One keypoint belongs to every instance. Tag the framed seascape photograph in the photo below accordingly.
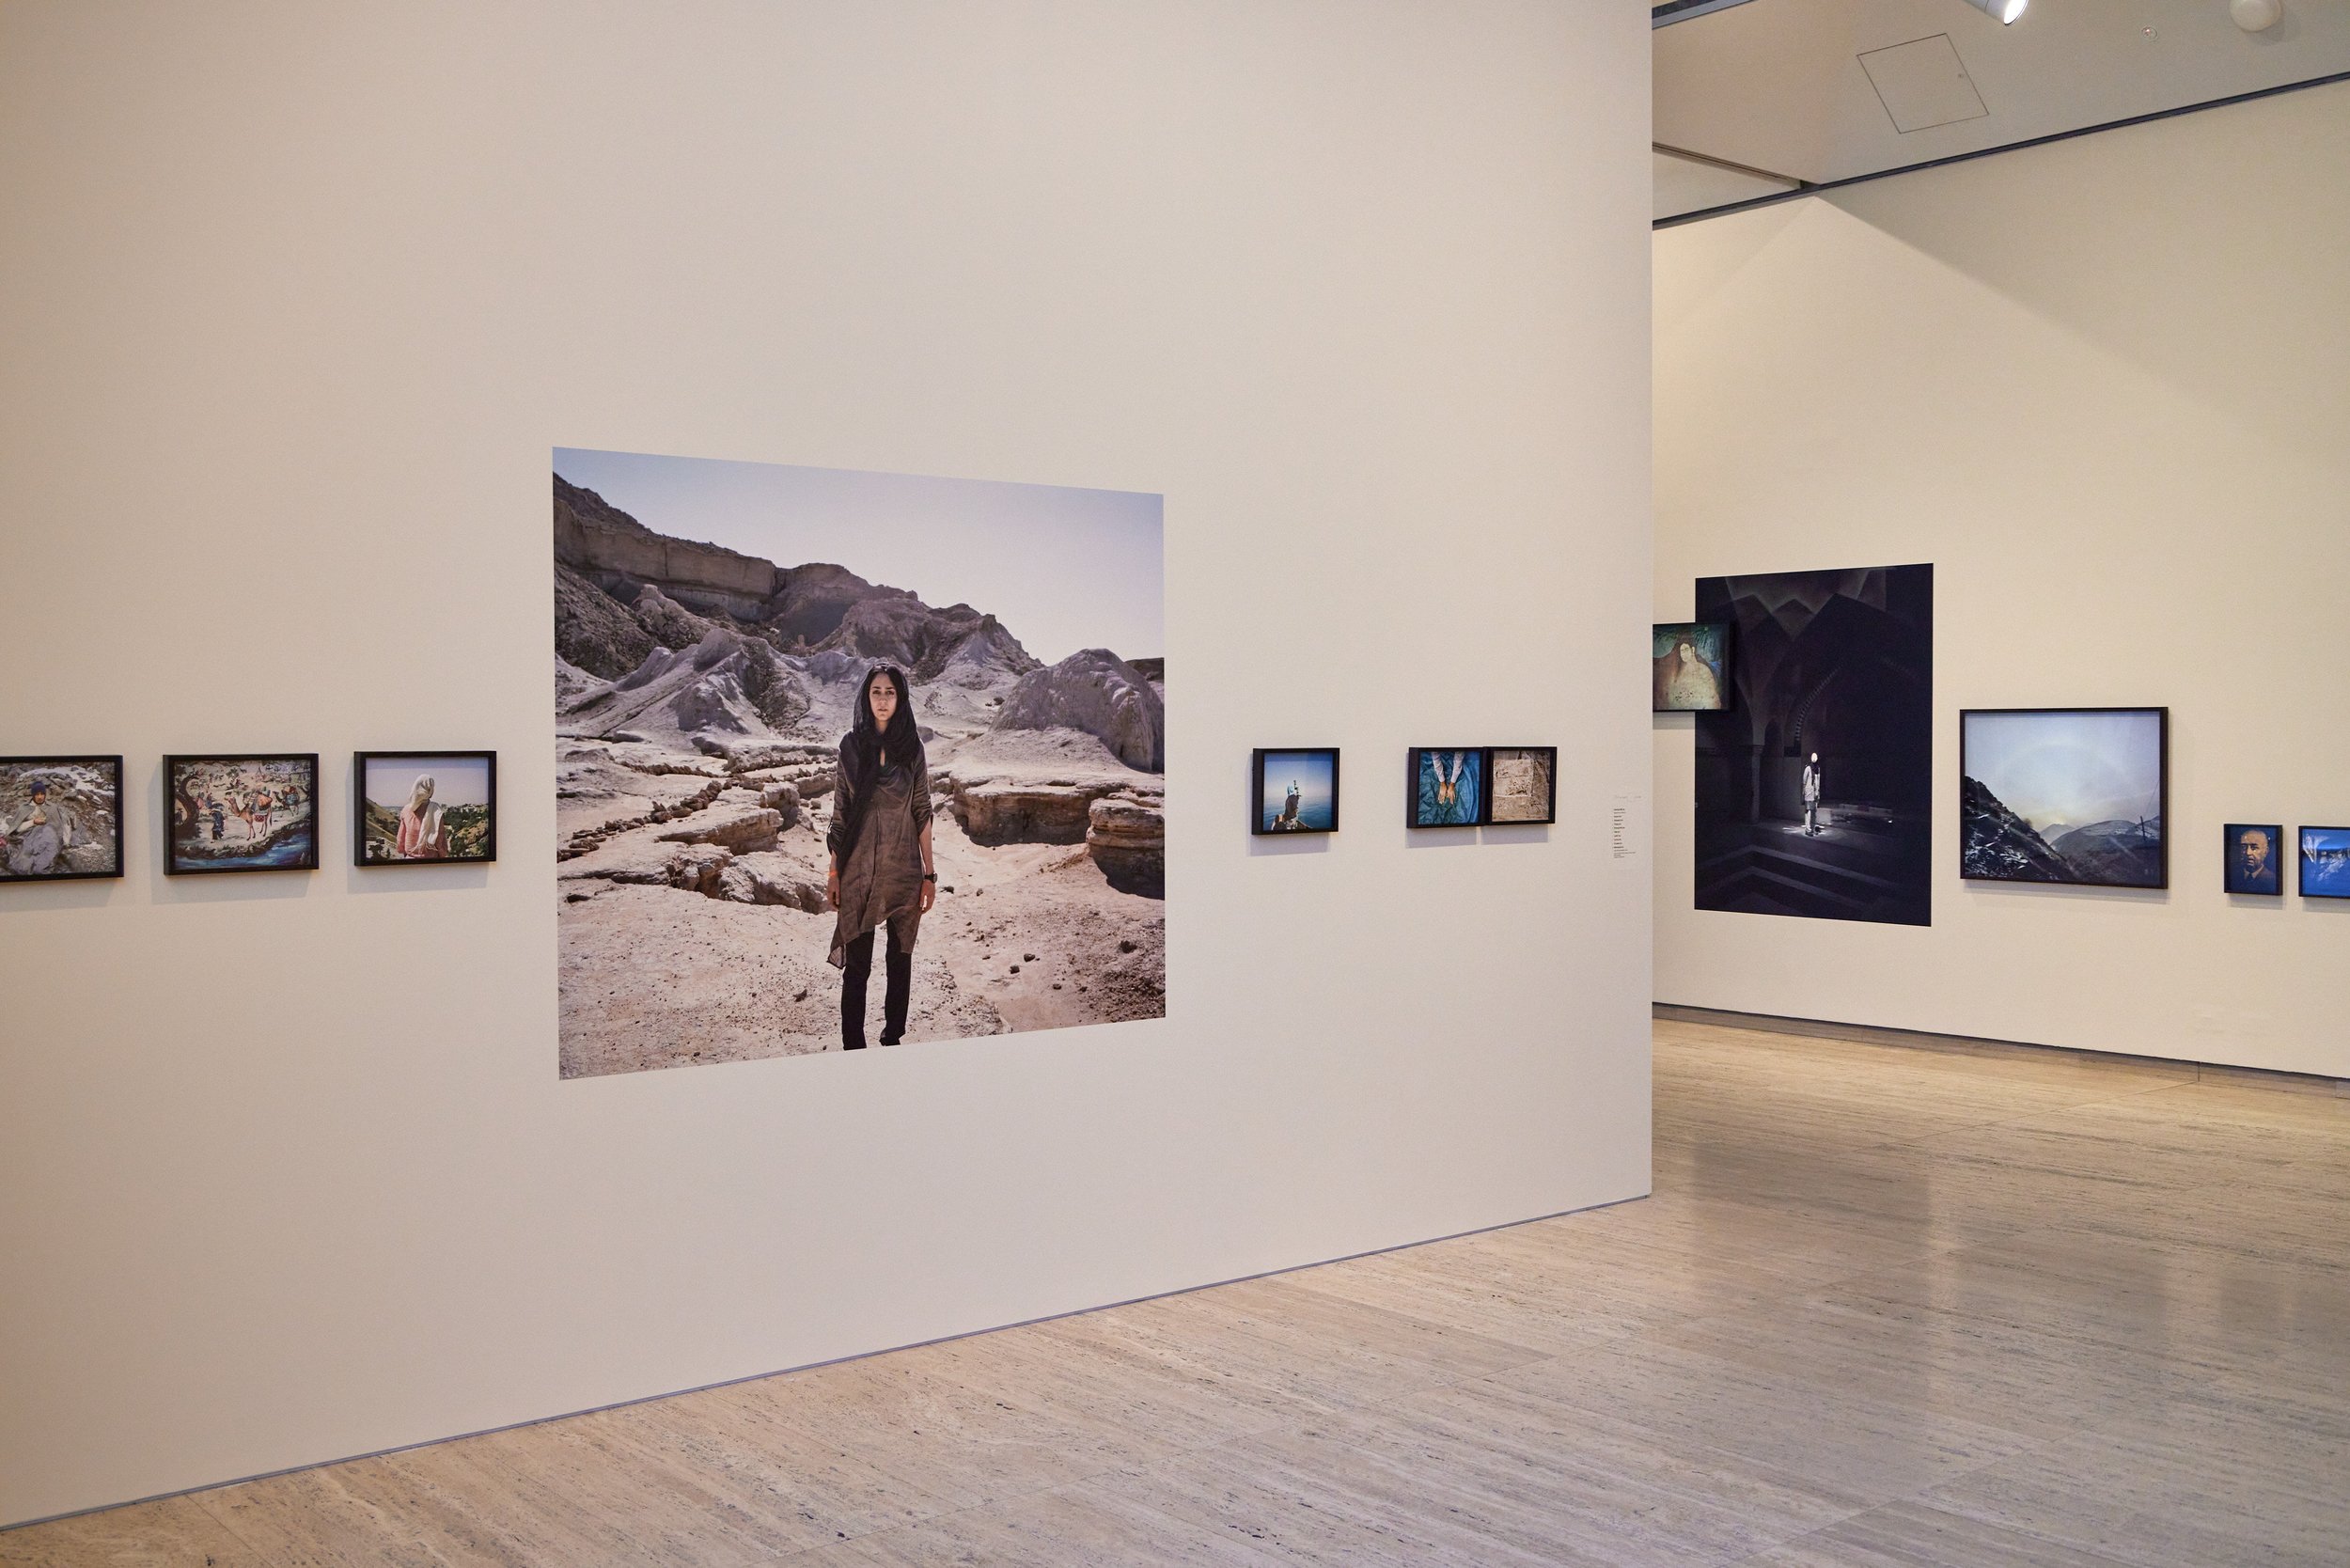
(60, 818)
(245, 813)
(1293, 791)
(1445, 786)
(1524, 783)
(424, 807)
(2325, 863)
(2254, 858)
(2075, 795)
(1689, 667)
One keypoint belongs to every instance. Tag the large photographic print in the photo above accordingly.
(1815, 792)
(849, 760)
(2065, 795)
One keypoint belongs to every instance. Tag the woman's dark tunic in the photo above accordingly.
(880, 874)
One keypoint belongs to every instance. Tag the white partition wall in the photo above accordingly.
(2104, 386)
(299, 300)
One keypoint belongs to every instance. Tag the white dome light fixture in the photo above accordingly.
(2256, 16)
(2002, 11)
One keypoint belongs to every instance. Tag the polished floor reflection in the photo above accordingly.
(1888, 1307)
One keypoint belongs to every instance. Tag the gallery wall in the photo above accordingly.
(301, 298)
(2102, 387)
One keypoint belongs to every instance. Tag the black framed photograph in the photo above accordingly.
(2072, 796)
(1445, 787)
(1523, 784)
(2254, 858)
(424, 807)
(60, 818)
(1689, 667)
(249, 812)
(2325, 862)
(1294, 790)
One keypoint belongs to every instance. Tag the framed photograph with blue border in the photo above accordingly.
(2325, 863)
(1445, 787)
(1293, 791)
(2254, 860)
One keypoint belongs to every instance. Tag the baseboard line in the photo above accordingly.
(1921, 1040)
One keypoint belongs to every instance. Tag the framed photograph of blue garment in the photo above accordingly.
(1293, 791)
(2325, 863)
(2253, 858)
(1445, 787)
(60, 818)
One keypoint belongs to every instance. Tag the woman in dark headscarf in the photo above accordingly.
(882, 871)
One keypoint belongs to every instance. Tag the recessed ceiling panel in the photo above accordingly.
(1923, 84)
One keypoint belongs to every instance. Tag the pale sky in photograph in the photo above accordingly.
(1063, 569)
(456, 780)
(2074, 768)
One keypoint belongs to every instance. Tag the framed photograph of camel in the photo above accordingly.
(424, 807)
(1445, 787)
(1294, 790)
(242, 814)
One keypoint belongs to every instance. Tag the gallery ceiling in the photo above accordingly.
(1758, 97)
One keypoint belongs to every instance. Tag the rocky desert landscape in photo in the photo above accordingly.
(700, 695)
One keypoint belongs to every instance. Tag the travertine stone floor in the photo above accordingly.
(1887, 1307)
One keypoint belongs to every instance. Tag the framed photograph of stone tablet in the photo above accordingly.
(2072, 796)
(1445, 786)
(60, 818)
(1689, 667)
(255, 812)
(424, 807)
(2325, 861)
(2253, 858)
(1523, 784)
(1294, 790)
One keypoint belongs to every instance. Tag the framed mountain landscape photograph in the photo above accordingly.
(2068, 795)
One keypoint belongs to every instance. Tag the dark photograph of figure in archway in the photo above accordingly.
(1815, 790)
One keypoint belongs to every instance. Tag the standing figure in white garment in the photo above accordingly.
(1811, 797)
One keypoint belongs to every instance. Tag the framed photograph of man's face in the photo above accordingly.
(1445, 786)
(1523, 784)
(2254, 858)
(1294, 790)
(60, 818)
(240, 813)
(2325, 863)
(424, 807)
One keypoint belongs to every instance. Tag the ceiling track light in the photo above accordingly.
(2256, 16)
(2000, 11)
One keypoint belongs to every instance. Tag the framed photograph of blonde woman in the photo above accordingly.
(424, 807)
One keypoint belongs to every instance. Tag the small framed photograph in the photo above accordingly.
(1689, 667)
(1293, 791)
(1445, 786)
(1523, 784)
(2255, 858)
(246, 813)
(60, 818)
(2077, 796)
(2326, 863)
(424, 807)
